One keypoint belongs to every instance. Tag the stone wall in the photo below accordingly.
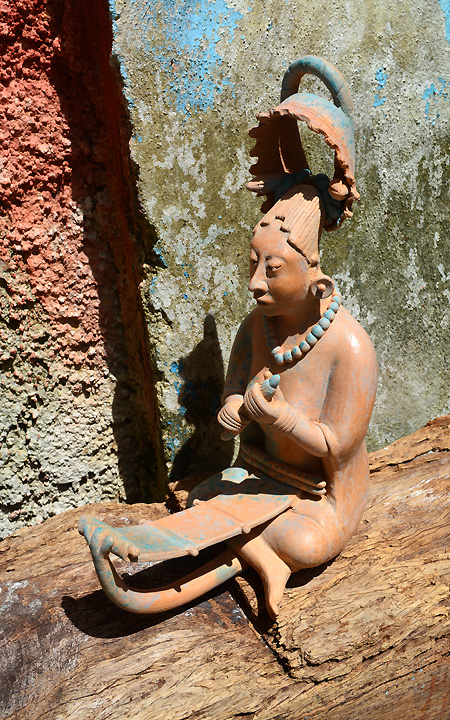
(77, 420)
(122, 281)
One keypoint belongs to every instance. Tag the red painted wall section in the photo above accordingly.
(78, 409)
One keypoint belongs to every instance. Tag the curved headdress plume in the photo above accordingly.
(282, 162)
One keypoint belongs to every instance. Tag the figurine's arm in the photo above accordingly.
(348, 405)
(346, 412)
(233, 416)
(284, 418)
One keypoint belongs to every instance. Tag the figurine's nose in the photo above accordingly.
(258, 283)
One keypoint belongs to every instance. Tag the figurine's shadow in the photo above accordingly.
(202, 382)
(95, 615)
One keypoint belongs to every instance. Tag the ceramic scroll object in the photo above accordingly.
(300, 386)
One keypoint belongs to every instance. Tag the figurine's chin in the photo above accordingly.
(267, 308)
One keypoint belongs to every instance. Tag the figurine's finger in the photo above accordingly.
(269, 386)
(251, 406)
(107, 544)
(229, 413)
(314, 484)
(230, 423)
(120, 551)
(311, 490)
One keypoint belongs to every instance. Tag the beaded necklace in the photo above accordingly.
(312, 336)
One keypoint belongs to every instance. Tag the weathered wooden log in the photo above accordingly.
(366, 636)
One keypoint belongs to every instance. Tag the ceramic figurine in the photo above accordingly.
(300, 386)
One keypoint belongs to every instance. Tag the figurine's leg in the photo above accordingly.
(272, 569)
(303, 542)
(288, 543)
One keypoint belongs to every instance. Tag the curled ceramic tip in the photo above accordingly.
(269, 386)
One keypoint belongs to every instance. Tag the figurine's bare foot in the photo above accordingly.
(274, 572)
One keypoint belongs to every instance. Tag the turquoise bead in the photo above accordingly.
(334, 306)
(279, 358)
(296, 352)
(337, 299)
(324, 323)
(287, 356)
(329, 315)
(317, 331)
(276, 351)
(304, 347)
(310, 339)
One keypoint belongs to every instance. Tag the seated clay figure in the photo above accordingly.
(300, 387)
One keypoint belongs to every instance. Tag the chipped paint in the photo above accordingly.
(187, 49)
(381, 78)
(445, 5)
(432, 96)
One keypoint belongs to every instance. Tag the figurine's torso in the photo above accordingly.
(333, 385)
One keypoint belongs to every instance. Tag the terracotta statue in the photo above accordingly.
(300, 386)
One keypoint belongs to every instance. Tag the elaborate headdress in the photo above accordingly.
(282, 162)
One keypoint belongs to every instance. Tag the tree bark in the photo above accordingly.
(366, 636)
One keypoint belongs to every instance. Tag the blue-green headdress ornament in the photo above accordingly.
(282, 162)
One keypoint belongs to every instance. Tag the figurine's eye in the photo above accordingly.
(273, 268)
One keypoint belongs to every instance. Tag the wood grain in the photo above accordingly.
(367, 636)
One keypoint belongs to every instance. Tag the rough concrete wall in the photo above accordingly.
(195, 75)
(76, 407)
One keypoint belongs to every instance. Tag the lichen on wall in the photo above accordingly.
(195, 75)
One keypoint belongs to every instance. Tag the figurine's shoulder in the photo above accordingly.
(352, 340)
(251, 322)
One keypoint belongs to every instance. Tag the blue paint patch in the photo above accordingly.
(432, 96)
(188, 54)
(160, 256)
(381, 78)
(176, 367)
(115, 16)
(445, 5)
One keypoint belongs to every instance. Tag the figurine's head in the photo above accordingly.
(284, 254)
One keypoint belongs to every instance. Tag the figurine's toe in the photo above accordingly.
(86, 526)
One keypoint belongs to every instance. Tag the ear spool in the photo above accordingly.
(322, 287)
(281, 161)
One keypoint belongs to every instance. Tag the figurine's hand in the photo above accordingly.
(233, 417)
(265, 403)
(106, 539)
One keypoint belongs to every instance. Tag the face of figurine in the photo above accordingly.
(279, 275)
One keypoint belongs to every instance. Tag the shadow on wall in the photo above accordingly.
(203, 377)
(116, 239)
